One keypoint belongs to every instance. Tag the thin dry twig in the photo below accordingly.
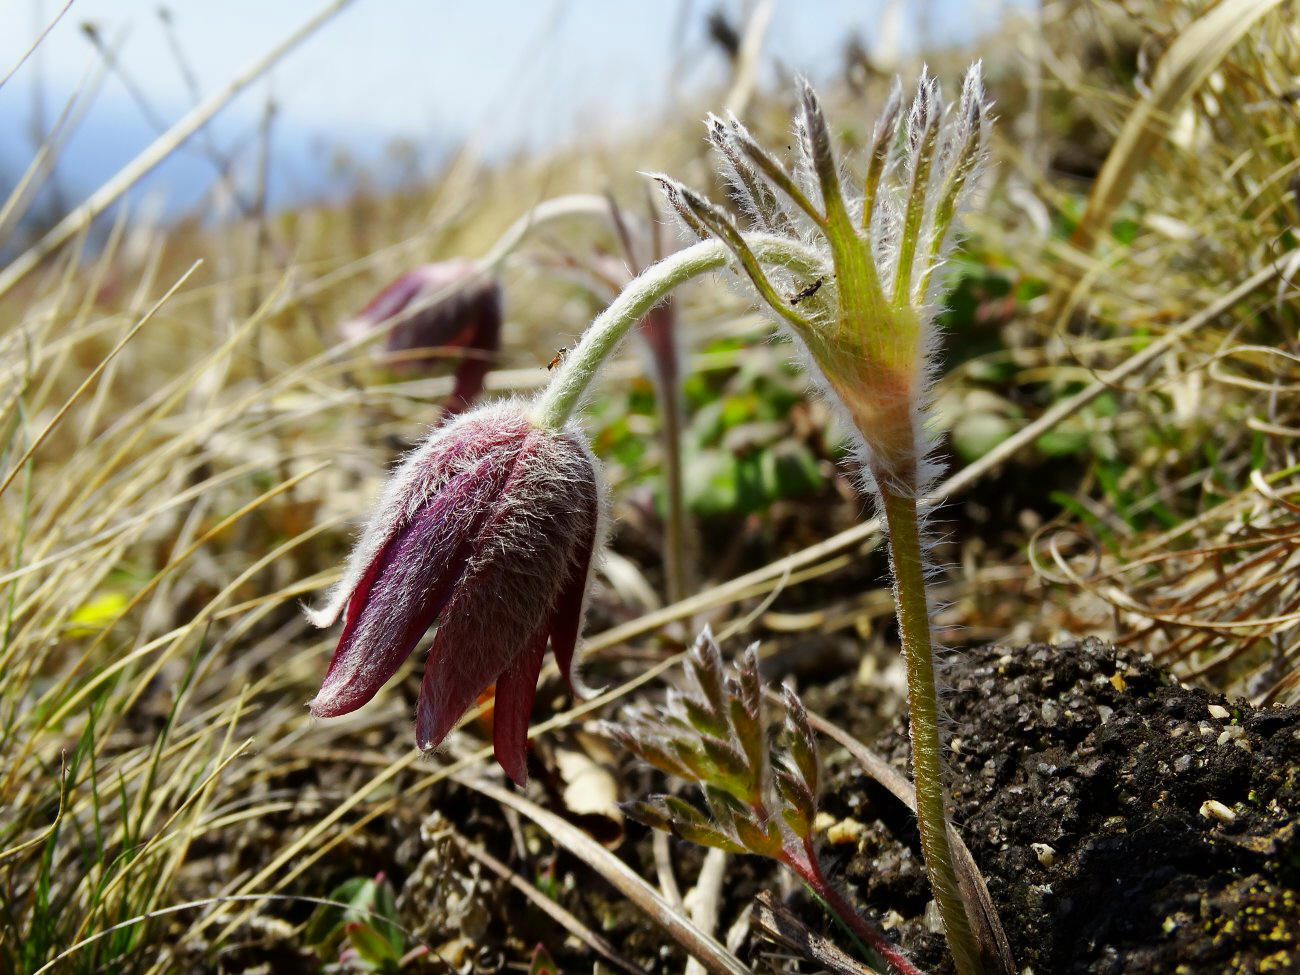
(699, 945)
(552, 908)
(778, 924)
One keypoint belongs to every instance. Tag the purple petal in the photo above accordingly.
(468, 654)
(506, 596)
(516, 688)
(405, 588)
(394, 296)
(459, 307)
(566, 619)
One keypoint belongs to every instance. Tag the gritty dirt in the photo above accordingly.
(1123, 821)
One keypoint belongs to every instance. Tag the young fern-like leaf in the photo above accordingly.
(799, 808)
(708, 836)
(704, 719)
(803, 745)
(750, 735)
(650, 813)
(761, 838)
(746, 809)
(706, 667)
(731, 771)
(751, 686)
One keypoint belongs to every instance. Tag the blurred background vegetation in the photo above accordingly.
(186, 443)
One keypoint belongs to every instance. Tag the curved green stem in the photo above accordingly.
(923, 704)
(554, 407)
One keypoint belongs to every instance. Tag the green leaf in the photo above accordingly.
(385, 910)
(371, 947)
(1062, 442)
(325, 925)
(648, 812)
(975, 434)
(707, 836)
(764, 839)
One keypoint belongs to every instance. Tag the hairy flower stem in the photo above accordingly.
(676, 566)
(581, 365)
(923, 705)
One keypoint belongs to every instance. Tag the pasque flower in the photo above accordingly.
(448, 304)
(853, 274)
(863, 304)
(487, 529)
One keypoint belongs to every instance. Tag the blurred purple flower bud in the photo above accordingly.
(451, 304)
(488, 528)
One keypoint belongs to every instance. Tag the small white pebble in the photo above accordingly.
(1207, 731)
(844, 832)
(823, 821)
(1214, 809)
(933, 919)
(1229, 733)
(1050, 712)
(1046, 855)
(1104, 713)
(1219, 712)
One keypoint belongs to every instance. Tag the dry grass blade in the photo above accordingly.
(713, 956)
(747, 58)
(1190, 59)
(552, 908)
(779, 925)
(93, 375)
(36, 43)
(82, 216)
(1183, 69)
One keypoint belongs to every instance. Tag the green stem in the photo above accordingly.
(555, 405)
(676, 527)
(923, 703)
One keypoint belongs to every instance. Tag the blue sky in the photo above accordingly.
(512, 74)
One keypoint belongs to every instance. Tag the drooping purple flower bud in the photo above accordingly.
(450, 304)
(488, 530)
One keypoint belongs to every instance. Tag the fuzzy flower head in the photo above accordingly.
(451, 304)
(487, 529)
(863, 302)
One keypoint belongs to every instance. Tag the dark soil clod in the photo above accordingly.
(1124, 822)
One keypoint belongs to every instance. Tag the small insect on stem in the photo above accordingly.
(557, 358)
(807, 292)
